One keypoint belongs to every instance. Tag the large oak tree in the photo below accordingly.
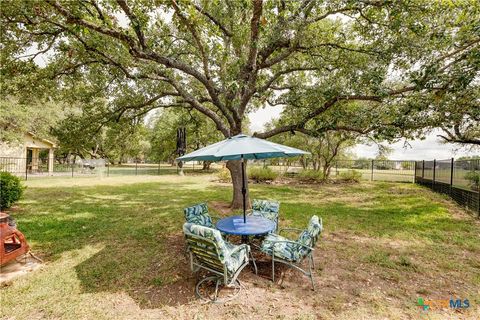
(226, 58)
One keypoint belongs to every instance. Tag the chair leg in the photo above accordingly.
(273, 268)
(216, 290)
(254, 264)
(214, 295)
(311, 272)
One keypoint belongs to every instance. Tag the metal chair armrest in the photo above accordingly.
(240, 247)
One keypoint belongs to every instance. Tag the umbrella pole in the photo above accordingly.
(244, 191)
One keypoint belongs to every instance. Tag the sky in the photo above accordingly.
(428, 149)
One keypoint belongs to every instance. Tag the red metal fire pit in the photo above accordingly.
(12, 242)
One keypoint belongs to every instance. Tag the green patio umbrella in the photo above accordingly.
(242, 147)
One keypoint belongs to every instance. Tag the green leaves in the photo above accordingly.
(371, 66)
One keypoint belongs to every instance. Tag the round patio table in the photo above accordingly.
(254, 226)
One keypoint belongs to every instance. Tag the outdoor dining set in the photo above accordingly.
(207, 242)
(209, 249)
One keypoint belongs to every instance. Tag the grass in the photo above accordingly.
(114, 249)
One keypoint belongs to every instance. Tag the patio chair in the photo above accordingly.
(293, 253)
(266, 208)
(198, 214)
(210, 252)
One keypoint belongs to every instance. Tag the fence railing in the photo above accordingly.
(27, 168)
(458, 179)
(43, 166)
(372, 170)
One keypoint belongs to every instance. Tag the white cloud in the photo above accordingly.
(261, 116)
(428, 149)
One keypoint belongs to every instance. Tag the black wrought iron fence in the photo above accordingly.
(372, 170)
(458, 179)
(141, 167)
(379, 170)
(43, 167)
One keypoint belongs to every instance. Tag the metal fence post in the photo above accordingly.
(371, 176)
(136, 166)
(415, 172)
(451, 176)
(478, 204)
(433, 180)
(423, 169)
(108, 169)
(73, 164)
(26, 170)
(158, 170)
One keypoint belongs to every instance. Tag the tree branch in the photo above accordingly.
(225, 31)
(134, 21)
(299, 126)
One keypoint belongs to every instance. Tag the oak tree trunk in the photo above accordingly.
(206, 165)
(326, 170)
(235, 168)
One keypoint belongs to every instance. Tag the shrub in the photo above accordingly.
(350, 176)
(224, 175)
(11, 190)
(309, 175)
(260, 174)
(474, 179)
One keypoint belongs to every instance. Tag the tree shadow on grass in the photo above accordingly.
(152, 275)
(139, 227)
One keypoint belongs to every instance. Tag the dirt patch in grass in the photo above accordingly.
(220, 207)
(170, 286)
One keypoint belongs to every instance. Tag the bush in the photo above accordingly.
(308, 175)
(11, 190)
(474, 179)
(224, 175)
(260, 174)
(350, 176)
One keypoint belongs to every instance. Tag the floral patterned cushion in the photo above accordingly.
(267, 209)
(223, 249)
(284, 250)
(291, 251)
(310, 235)
(198, 214)
(235, 259)
(265, 205)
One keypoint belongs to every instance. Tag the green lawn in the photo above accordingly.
(113, 249)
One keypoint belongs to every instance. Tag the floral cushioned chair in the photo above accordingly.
(209, 251)
(266, 208)
(198, 214)
(291, 252)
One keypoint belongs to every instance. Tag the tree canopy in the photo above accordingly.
(226, 58)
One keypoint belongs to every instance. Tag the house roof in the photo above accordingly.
(45, 141)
